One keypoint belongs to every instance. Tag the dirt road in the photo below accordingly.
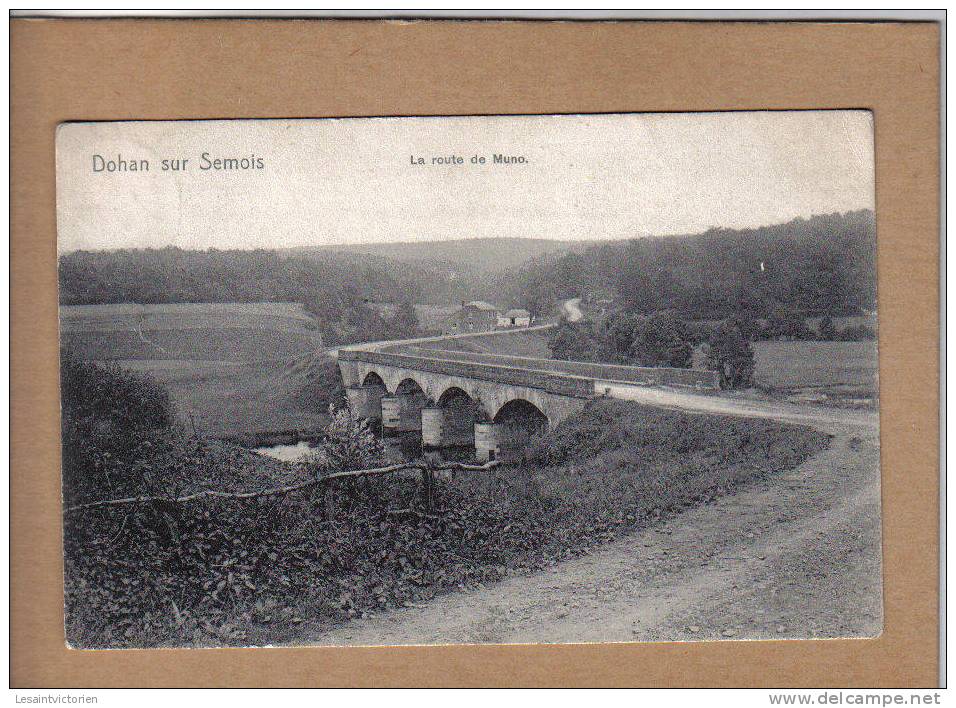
(795, 556)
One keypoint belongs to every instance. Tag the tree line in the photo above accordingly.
(658, 340)
(665, 339)
(335, 288)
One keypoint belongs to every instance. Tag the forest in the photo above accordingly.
(824, 265)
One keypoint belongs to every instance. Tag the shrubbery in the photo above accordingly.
(574, 341)
(730, 354)
(661, 339)
(252, 571)
(111, 422)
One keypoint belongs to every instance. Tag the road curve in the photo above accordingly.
(791, 557)
(569, 309)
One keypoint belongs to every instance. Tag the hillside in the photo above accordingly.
(333, 290)
(824, 265)
(232, 369)
(466, 256)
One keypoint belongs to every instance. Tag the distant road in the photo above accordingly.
(572, 309)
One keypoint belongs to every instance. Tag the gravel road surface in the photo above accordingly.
(795, 556)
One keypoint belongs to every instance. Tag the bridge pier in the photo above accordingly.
(447, 427)
(365, 401)
(390, 415)
(402, 414)
(488, 441)
(433, 423)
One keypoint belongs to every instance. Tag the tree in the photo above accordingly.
(574, 341)
(405, 320)
(787, 323)
(662, 339)
(732, 356)
(828, 330)
(747, 324)
(619, 331)
(349, 444)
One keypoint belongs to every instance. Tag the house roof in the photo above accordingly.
(481, 305)
(517, 312)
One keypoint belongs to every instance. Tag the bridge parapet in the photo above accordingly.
(644, 375)
(560, 384)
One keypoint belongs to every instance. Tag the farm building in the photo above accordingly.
(515, 318)
(474, 316)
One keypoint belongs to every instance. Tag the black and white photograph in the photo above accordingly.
(469, 380)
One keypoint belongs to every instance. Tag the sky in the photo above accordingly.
(358, 180)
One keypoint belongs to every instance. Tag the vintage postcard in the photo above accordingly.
(490, 379)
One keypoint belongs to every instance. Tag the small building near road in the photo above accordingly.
(474, 316)
(515, 318)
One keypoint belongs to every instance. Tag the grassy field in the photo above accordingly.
(232, 369)
(852, 366)
(516, 343)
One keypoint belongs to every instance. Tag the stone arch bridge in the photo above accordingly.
(490, 401)
(455, 403)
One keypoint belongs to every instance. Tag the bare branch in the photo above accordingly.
(209, 493)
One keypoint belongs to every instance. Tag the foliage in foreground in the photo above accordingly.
(278, 569)
(110, 421)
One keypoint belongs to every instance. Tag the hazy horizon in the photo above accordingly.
(354, 182)
(345, 246)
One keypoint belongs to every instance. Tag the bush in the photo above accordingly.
(827, 330)
(348, 444)
(228, 571)
(661, 340)
(732, 356)
(111, 420)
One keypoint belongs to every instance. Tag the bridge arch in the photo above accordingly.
(402, 409)
(410, 386)
(451, 394)
(373, 379)
(517, 423)
(460, 412)
(521, 411)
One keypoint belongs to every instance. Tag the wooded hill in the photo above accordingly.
(824, 265)
(485, 255)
